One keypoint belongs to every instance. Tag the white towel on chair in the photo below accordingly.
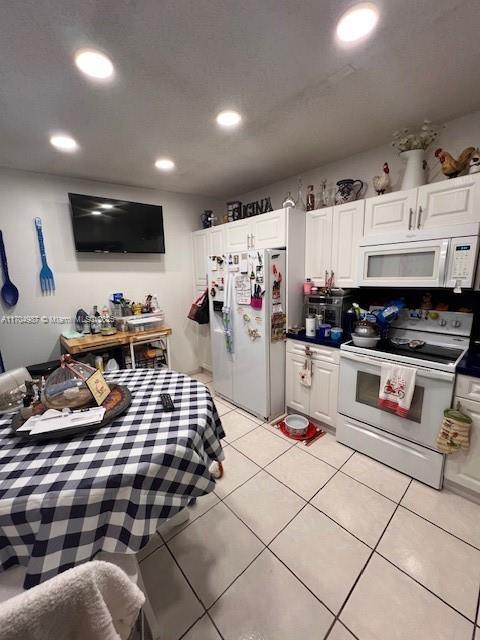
(397, 385)
(94, 601)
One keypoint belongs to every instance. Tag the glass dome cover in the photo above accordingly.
(66, 387)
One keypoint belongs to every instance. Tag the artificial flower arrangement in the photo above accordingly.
(403, 140)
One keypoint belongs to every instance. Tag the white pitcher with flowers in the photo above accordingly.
(412, 147)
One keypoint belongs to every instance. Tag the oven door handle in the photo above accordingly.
(431, 374)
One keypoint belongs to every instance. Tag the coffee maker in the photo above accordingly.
(331, 307)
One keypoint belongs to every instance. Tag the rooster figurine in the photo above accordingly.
(451, 167)
(381, 183)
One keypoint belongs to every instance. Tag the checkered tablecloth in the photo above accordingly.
(62, 502)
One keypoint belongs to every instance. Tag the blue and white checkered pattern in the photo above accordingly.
(61, 502)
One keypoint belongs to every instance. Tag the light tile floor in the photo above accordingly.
(316, 542)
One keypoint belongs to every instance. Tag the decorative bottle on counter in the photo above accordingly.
(307, 286)
(310, 198)
(95, 322)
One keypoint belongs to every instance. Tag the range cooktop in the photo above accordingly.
(430, 352)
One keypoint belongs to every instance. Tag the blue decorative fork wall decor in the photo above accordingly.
(47, 282)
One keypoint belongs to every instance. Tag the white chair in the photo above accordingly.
(11, 584)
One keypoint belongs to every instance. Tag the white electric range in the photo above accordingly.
(404, 443)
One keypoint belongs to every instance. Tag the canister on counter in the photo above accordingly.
(324, 330)
(336, 334)
(310, 326)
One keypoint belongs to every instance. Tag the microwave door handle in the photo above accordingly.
(442, 267)
(410, 216)
(419, 221)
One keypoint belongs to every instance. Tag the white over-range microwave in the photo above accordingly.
(441, 258)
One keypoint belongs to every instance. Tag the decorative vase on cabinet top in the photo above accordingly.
(415, 172)
(348, 190)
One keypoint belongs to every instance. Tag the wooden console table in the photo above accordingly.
(119, 339)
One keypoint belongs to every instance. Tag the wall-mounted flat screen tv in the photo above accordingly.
(105, 225)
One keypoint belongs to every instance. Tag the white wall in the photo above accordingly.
(83, 280)
(458, 134)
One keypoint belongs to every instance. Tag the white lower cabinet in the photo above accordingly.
(297, 396)
(324, 392)
(463, 467)
(320, 400)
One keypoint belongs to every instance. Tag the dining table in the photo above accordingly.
(63, 501)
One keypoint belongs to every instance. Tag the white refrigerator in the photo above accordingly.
(248, 325)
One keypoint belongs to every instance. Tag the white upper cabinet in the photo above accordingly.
(332, 236)
(216, 240)
(269, 230)
(435, 205)
(266, 231)
(347, 232)
(455, 201)
(391, 212)
(318, 246)
(200, 256)
(238, 235)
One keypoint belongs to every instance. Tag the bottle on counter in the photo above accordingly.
(310, 198)
(310, 324)
(95, 322)
(307, 286)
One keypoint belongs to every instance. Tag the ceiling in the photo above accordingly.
(305, 100)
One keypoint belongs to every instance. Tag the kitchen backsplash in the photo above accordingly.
(442, 299)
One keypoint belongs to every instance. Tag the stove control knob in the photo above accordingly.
(442, 322)
(456, 323)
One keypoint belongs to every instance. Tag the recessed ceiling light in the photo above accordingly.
(229, 119)
(357, 22)
(64, 143)
(107, 206)
(96, 213)
(165, 164)
(94, 64)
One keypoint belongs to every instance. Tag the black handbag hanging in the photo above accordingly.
(199, 311)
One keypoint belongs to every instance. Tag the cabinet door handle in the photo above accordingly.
(248, 241)
(419, 222)
(410, 219)
(253, 241)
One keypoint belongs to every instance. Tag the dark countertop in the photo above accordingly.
(469, 365)
(326, 342)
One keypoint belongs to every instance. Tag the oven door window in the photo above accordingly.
(368, 388)
(419, 264)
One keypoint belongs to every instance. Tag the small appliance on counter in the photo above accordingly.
(143, 322)
(331, 307)
(146, 322)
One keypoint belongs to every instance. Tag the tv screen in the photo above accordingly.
(116, 226)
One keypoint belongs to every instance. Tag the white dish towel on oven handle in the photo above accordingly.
(397, 385)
